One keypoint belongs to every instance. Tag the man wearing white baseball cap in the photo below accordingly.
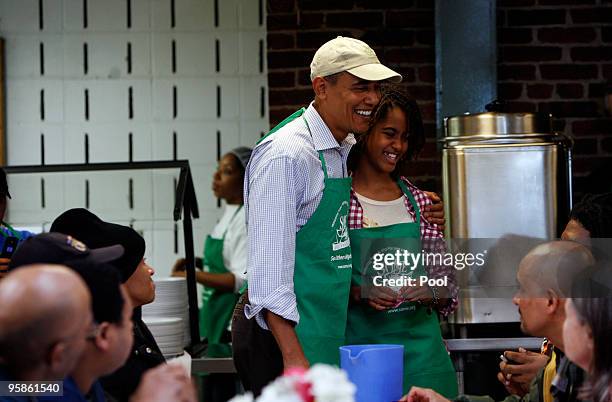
(354, 57)
(297, 202)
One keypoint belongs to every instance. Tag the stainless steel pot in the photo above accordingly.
(503, 173)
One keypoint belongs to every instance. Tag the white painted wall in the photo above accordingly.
(46, 69)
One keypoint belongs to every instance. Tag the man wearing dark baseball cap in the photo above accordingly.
(136, 275)
(110, 337)
(58, 248)
(297, 193)
(9, 237)
(110, 340)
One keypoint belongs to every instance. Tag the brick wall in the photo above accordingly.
(401, 33)
(554, 56)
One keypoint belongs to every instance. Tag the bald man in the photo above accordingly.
(110, 338)
(45, 317)
(547, 268)
(544, 276)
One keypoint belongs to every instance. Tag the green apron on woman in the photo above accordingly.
(217, 305)
(426, 361)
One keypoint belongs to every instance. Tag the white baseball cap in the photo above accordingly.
(353, 56)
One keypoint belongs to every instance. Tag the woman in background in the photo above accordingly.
(224, 268)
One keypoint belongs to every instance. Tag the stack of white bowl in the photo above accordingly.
(170, 302)
(168, 333)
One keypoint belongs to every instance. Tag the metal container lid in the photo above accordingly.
(493, 124)
(493, 128)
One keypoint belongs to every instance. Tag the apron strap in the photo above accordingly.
(9, 229)
(295, 115)
(415, 206)
(321, 157)
(280, 125)
(230, 221)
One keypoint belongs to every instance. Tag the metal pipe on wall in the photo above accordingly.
(466, 57)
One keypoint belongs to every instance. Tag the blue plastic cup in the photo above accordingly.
(376, 370)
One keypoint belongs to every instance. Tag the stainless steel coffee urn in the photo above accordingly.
(505, 173)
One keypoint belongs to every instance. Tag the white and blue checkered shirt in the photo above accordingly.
(283, 186)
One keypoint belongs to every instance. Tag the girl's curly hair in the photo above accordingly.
(393, 96)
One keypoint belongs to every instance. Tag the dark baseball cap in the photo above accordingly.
(58, 248)
(4, 184)
(95, 232)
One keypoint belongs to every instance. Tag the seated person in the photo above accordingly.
(587, 330)
(140, 289)
(42, 341)
(544, 278)
(110, 337)
(109, 340)
(7, 233)
(591, 218)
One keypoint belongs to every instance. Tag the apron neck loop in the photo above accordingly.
(321, 157)
(415, 206)
(9, 229)
(231, 220)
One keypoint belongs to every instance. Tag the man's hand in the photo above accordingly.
(512, 387)
(166, 382)
(435, 213)
(523, 368)
(297, 360)
(417, 394)
(284, 333)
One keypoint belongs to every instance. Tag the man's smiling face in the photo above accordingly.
(349, 102)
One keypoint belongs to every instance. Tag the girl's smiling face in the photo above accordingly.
(387, 142)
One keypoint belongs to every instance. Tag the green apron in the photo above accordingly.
(217, 305)
(426, 361)
(322, 270)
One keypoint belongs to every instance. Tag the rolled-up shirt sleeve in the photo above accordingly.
(271, 217)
